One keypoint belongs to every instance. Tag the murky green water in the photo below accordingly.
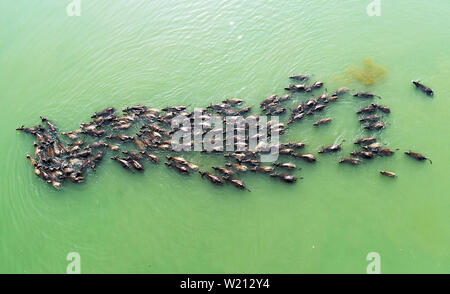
(121, 53)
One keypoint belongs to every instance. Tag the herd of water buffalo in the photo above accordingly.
(56, 159)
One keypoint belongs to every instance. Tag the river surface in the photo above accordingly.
(121, 53)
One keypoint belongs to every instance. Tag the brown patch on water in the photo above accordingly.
(368, 74)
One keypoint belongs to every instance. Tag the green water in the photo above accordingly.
(121, 53)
